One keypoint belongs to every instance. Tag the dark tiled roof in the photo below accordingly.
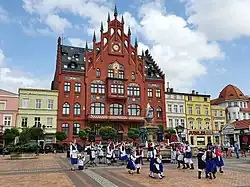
(242, 124)
(73, 58)
(152, 70)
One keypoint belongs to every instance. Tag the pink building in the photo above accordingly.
(8, 111)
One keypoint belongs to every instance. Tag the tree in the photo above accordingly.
(25, 136)
(169, 132)
(83, 134)
(107, 132)
(36, 133)
(134, 133)
(161, 128)
(9, 135)
(60, 136)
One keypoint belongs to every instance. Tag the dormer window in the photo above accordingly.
(69, 58)
(133, 76)
(65, 54)
(73, 66)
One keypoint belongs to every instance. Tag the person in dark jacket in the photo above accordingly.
(211, 168)
(201, 163)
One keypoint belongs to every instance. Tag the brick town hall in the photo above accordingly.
(110, 84)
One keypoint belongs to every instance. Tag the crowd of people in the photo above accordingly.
(210, 160)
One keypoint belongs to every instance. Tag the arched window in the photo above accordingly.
(77, 109)
(98, 72)
(133, 76)
(65, 128)
(66, 108)
(116, 109)
(76, 128)
(97, 108)
(134, 110)
(159, 113)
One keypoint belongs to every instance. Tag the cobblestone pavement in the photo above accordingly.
(53, 170)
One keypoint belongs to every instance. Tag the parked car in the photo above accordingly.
(53, 148)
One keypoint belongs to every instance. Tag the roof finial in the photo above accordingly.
(122, 20)
(94, 37)
(129, 31)
(136, 44)
(115, 12)
(108, 17)
(142, 53)
(101, 27)
(86, 45)
(59, 40)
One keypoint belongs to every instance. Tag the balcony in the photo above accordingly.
(116, 118)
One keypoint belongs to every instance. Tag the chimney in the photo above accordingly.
(171, 90)
(197, 93)
(193, 91)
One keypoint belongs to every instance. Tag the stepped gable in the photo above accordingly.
(230, 92)
(152, 70)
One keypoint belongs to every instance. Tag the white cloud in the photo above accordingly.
(177, 49)
(220, 19)
(57, 24)
(11, 79)
(4, 15)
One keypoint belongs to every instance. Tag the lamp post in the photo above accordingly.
(179, 130)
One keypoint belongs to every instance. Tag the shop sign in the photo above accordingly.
(197, 133)
(228, 131)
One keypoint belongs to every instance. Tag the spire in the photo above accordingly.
(142, 53)
(136, 44)
(129, 31)
(122, 20)
(108, 17)
(115, 12)
(101, 27)
(59, 40)
(94, 37)
(86, 45)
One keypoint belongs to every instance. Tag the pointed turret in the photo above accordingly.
(59, 40)
(129, 31)
(86, 45)
(136, 44)
(101, 30)
(115, 12)
(94, 37)
(108, 20)
(122, 20)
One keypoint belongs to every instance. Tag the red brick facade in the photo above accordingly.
(115, 84)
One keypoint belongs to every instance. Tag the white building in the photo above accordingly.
(175, 111)
(236, 103)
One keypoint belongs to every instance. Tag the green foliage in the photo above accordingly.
(30, 147)
(36, 133)
(25, 136)
(161, 128)
(134, 133)
(60, 136)
(169, 132)
(83, 134)
(9, 135)
(107, 132)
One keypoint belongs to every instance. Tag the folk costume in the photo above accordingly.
(123, 156)
(92, 154)
(188, 157)
(138, 160)
(73, 155)
(209, 158)
(131, 163)
(219, 159)
(158, 167)
(201, 163)
(81, 160)
(173, 155)
(109, 154)
(152, 162)
(180, 156)
(100, 153)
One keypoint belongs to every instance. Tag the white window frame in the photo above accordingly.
(176, 108)
(25, 101)
(7, 116)
(22, 118)
(38, 103)
(50, 104)
(4, 103)
(49, 125)
(181, 107)
(78, 87)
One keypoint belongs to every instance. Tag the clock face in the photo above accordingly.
(116, 47)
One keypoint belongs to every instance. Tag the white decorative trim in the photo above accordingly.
(11, 118)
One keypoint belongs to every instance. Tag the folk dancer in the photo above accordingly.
(139, 157)
(131, 163)
(180, 156)
(123, 156)
(113, 158)
(173, 155)
(81, 160)
(150, 150)
(152, 162)
(158, 167)
(92, 154)
(100, 153)
(201, 163)
(109, 154)
(219, 159)
(188, 157)
(209, 158)
(73, 155)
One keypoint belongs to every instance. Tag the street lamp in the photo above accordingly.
(179, 130)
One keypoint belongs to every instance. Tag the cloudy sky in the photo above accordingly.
(199, 44)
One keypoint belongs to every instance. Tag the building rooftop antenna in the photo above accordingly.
(63, 37)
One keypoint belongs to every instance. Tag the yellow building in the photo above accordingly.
(198, 116)
(38, 108)
(218, 121)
